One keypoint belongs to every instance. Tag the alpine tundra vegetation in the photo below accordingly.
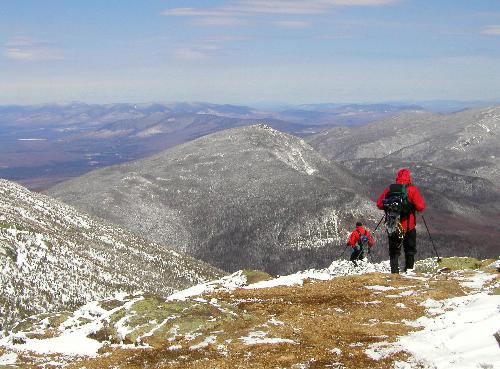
(443, 316)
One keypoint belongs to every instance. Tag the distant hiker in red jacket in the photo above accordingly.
(359, 239)
(400, 201)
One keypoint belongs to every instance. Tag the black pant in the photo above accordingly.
(357, 255)
(409, 246)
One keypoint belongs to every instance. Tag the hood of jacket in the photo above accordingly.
(403, 177)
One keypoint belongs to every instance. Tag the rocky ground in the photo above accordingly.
(339, 317)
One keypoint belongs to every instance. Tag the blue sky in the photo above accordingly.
(248, 51)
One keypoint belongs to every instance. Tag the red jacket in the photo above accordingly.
(358, 232)
(414, 198)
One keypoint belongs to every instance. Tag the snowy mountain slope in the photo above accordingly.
(339, 317)
(250, 197)
(53, 257)
(454, 159)
(466, 142)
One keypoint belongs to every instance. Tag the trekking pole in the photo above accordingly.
(363, 251)
(343, 252)
(380, 221)
(373, 234)
(432, 241)
(369, 252)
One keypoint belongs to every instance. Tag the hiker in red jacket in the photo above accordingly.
(359, 237)
(405, 234)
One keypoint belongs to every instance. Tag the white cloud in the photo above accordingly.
(224, 15)
(491, 30)
(207, 47)
(189, 53)
(226, 38)
(282, 7)
(27, 50)
(193, 12)
(291, 24)
(225, 21)
(197, 52)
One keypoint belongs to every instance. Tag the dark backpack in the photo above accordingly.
(363, 240)
(396, 206)
(396, 200)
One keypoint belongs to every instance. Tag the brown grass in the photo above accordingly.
(318, 316)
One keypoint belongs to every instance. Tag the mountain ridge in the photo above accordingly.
(454, 160)
(258, 192)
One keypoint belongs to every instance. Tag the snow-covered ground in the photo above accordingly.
(457, 333)
(460, 334)
(338, 268)
(74, 340)
(460, 338)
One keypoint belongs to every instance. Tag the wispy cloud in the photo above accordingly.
(208, 47)
(491, 30)
(300, 6)
(226, 21)
(227, 38)
(236, 11)
(194, 53)
(27, 50)
(291, 24)
(194, 12)
(189, 53)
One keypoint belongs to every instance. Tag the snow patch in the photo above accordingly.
(8, 359)
(290, 280)
(335, 351)
(478, 280)
(461, 338)
(207, 341)
(380, 288)
(71, 343)
(238, 279)
(259, 338)
(226, 283)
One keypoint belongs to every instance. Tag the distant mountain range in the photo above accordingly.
(44, 145)
(455, 159)
(249, 197)
(53, 257)
(246, 197)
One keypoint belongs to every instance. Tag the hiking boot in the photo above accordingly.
(409, 261)
(410, 272)
(394, 265)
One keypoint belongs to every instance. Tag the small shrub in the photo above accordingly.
(254, 276)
